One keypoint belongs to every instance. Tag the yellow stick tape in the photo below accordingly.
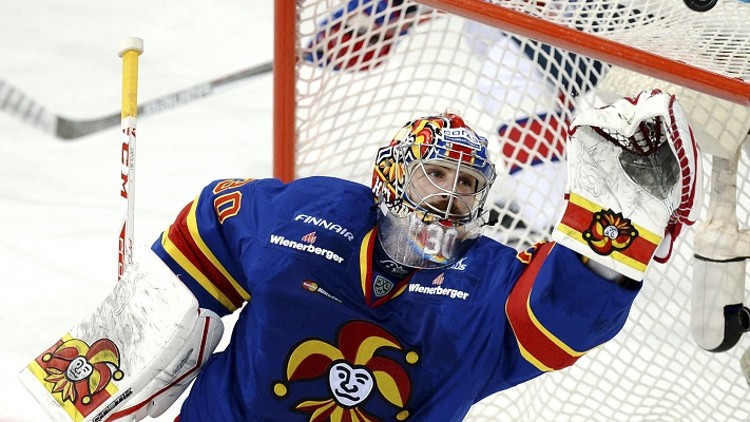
(130, 83)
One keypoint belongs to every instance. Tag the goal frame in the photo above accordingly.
(625, 56)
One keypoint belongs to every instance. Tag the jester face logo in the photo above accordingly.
(77, 371)
(350, 385)
(351, 373)
(609, 232)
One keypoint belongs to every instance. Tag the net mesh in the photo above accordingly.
(366, 67)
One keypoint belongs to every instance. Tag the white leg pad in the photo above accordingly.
(175, 378)
(118, 349)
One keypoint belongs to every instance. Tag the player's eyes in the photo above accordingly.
(435, 174)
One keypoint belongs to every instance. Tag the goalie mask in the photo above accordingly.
(430, 184)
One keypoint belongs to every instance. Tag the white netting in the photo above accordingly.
(356, 85)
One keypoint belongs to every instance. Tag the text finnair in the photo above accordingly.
(328, 225)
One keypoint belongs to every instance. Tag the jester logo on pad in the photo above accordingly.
(76, 372)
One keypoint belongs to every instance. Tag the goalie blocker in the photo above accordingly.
(633, 173)
(132, 356)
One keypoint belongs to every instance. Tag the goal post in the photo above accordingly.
(284, 91)
(349, 73)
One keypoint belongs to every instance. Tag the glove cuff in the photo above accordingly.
(606, 237)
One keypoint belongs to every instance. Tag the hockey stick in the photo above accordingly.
(130, 49)
(18, 104)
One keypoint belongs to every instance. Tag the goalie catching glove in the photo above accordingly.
(633, 173)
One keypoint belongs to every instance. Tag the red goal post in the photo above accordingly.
(336, 101)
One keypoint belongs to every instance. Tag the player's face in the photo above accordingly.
(433, 183)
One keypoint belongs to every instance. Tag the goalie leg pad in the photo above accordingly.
(119, 348)
(154, 399)
(717, 317)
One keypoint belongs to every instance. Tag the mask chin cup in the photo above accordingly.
(409, 240)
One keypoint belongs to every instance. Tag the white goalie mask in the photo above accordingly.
(430, 184)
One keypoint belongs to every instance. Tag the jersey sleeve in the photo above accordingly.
(557, 311)
(202, 245)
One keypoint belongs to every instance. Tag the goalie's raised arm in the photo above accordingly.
(633, 174)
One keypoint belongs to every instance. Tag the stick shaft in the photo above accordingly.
(127, 154)
(20, 105)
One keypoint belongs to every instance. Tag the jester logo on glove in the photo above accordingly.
(609, 232)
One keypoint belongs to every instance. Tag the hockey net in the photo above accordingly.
(364, 68)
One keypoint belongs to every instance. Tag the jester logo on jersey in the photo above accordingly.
(609, 232)
(78, 373)
(351, 373)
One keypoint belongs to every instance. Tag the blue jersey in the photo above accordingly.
(323, 335)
